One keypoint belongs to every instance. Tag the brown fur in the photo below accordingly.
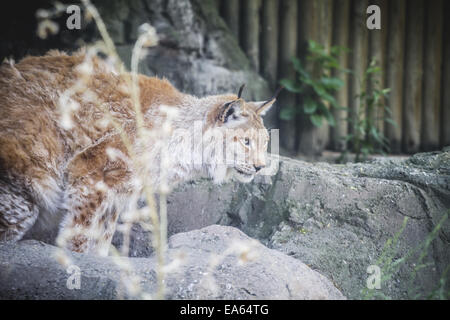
(45, 167)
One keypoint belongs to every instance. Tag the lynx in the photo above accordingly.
(59, 172)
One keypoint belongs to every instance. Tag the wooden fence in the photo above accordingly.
(413, 48)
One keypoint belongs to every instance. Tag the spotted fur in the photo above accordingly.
(51, 173)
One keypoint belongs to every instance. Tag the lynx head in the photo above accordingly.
(236, 140)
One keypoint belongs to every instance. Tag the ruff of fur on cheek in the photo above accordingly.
(213, 155)
(183, 153)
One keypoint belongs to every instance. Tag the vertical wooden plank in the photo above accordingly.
(250, 31)
(432, 76)
(230, 13)
(269, 41)
(445, 114)
(324, 37)
(377, 52)
(359, 46)
(412, 98)
(218, 4)
(394, 74)
(288, 49)
(316, 24)
(341, 24)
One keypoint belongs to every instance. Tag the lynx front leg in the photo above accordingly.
(90, 221)
(94, 183)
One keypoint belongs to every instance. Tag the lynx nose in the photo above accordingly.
(257, 168)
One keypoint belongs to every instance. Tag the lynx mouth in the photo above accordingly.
(243, 176)
(243, 173)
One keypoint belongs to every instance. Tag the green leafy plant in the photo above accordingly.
(316, 84)
(390, 265)
(366, 137)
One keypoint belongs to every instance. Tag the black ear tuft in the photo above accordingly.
(240, 91)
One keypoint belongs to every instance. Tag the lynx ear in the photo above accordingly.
(231, 111)
(263, 106)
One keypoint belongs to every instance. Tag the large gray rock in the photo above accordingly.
(338, 220)
(335, 218)
(215, 262)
